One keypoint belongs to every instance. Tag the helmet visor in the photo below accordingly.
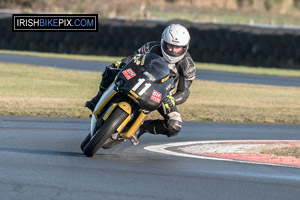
(174, 50)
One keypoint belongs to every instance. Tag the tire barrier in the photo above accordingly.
(210, 43)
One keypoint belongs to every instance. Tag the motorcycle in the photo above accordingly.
(138, 89)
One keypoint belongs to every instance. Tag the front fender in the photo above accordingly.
(126, 107)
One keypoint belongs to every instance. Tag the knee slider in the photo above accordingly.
(174, 127)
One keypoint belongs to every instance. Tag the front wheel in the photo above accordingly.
(105, 131)
(85, 141)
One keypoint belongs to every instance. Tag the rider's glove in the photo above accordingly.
(169, 102)
(119, 65)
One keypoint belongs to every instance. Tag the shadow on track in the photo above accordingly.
(41, 152)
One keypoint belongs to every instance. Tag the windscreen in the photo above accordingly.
(155, 66)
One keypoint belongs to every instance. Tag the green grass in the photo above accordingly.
(203, 66)
(42, 91)
(224, 16)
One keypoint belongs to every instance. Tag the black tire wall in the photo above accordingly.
(210, 43)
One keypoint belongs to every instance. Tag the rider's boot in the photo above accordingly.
(93, 102)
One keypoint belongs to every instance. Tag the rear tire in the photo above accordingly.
(108, 127)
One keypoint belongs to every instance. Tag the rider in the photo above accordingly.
(173, 48)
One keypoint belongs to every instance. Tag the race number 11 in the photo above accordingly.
(139, 83)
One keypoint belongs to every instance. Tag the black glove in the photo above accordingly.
(169, 102)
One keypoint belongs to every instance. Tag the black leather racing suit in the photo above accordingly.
(183, 73)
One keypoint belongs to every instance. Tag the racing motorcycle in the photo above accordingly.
(138, 89)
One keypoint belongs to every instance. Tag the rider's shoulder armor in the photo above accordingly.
(150, 47)
(187, 67)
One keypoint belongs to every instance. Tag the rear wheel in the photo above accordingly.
(108, 127)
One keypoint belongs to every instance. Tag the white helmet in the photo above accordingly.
(178, 36)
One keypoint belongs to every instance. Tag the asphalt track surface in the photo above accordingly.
(41, 159)
(200, 74)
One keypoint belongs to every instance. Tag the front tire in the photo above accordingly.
(85, 141)
(104, 132)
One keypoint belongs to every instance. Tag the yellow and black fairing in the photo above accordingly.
(150, 83)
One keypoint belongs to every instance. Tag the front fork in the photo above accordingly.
(128, 109)
(134, 127)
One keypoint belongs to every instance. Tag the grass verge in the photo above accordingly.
(34, 91)
(202, 66)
